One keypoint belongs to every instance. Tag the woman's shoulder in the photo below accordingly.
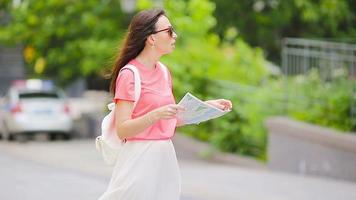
(126, 74)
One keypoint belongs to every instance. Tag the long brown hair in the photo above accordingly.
(141, 26)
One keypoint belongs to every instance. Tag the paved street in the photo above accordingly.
(28, 180)
(73, 170)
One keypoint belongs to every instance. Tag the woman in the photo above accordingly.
(147, 167)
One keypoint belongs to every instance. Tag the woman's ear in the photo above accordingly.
(151, 40)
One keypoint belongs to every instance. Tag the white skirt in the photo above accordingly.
(145, 170)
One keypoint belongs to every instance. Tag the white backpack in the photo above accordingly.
(108, 143)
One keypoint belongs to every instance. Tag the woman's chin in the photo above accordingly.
(169, 51)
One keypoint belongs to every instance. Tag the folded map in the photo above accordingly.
(197, 111)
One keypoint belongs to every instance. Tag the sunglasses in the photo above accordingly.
(170, 31)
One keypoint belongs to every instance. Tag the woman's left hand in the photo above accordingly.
(222, 104)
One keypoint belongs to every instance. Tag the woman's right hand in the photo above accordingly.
(166, 112)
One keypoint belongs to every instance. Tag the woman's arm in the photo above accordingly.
(127, 127)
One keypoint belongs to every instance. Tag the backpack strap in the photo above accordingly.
(137, 81)
(165, 70)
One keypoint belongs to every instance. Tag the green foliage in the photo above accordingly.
(319, 102)
(71, 38)
(201, 55)
(264, 23)
(243, 131)
(305, 97)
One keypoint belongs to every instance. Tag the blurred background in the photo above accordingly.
(288, 66)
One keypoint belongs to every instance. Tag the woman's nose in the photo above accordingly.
(175, 36)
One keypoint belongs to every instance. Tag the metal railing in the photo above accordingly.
(328, 59)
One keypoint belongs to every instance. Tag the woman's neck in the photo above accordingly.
(148, 58)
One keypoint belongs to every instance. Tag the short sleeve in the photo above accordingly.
(125, 88)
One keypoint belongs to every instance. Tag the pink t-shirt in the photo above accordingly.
(156, 91)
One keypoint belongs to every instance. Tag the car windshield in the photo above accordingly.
(39, 95)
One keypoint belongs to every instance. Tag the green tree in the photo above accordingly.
(264, 23)
(64, 39)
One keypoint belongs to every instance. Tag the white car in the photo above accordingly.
(35, 106)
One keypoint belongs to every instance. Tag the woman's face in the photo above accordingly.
(164, 37)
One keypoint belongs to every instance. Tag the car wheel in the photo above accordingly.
(1, 130)
(66, 136)
(1, 133)
(52, 136)
(11, 137)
